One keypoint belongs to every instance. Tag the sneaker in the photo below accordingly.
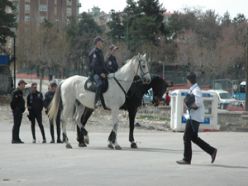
(59, 141)
(213, 156)
(34, 141)
(52, 141)
(44, 141)
(183, 162)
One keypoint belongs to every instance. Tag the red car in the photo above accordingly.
(236, 106)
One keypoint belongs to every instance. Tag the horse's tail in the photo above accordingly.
(55, 104)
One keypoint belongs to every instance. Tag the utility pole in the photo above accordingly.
(14, 61)
(246, 69)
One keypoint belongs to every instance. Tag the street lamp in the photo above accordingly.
(14, 56)
(246, 70)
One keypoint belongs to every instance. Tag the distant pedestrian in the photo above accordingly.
(48, 98)
(17, 105)
(111, 62)
(167, 98)
(195, 107)
(35, 106)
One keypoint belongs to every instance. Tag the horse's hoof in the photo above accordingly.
(82, 145)
(118, 147)
(111, 146)
(68, 146)
(134, 145)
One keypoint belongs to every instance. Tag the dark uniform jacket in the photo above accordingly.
(17, 103)
(35, 102)
(96, 58)
(111, 64)
(48, 98)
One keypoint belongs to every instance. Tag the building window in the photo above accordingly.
(68, 12)
(69, 2)
(27, 8)
(43, 8)
(42, 19)
(27, 18)
(27, 1)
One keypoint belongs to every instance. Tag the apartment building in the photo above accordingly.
(32, 13)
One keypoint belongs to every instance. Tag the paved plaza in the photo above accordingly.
(152, 164)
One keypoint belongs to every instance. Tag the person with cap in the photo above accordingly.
(48, 98)
(35, 106)
(17, 105)
(97, 68)
(111, 62)
(195, 111)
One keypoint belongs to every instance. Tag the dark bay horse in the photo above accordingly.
(133, 101)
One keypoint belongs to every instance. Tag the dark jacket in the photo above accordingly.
(35, 102)
(48, 98)
(111, 64)
(96, 59)
(17, 103)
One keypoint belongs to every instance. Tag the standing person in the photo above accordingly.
(195, 116)
(17, 105)
(35, 106)
(111, 62)
(167, 98)
(48, 98)
(97, 68)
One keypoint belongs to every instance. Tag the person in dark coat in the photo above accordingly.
(17, 105)
(97, 68)
(48, 98)
(111, 62)
(35, 106)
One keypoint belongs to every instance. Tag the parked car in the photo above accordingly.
(236, 106)
(148, 97)
(224, 98)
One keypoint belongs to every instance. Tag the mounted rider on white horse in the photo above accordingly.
(73, 91)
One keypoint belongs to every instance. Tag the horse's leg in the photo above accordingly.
(113, 135)
(66, 113)
(132, 113)
(78, 114)
(83, 115)
(68, 145)
(86, 115)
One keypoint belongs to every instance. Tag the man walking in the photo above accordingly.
(17, 105)
(195, 116)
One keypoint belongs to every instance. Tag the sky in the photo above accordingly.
(232, 6)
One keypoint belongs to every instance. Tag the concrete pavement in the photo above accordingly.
(152, 164)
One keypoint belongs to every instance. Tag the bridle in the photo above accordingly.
(143, 74)
(141, 77)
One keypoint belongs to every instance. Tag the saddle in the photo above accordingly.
(90, 85)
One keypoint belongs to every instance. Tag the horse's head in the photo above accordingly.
(142, 70)
(159, 87)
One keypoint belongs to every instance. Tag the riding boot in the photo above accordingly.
(103, 102)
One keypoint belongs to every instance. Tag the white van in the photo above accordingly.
(224, 98)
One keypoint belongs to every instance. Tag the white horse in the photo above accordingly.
(72, 90)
